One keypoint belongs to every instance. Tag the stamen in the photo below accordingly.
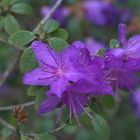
(43, 78)
(74, 111)
(60, 114)
(84, 109)
(45, 70)
(53, 57)
(117, 94)
(122, 34)
(62, 61)
(48, 65)
(70, 109)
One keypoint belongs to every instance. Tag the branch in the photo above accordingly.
(10, 68)
(53, 9)
(58, 128)
(7, 125)
(5, 108)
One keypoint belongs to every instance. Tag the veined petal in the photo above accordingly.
(59, 87)
(117, 52)
(133, 47)
(49, 104)
(45, 56)
(122, 34)
(37, 77)
(127, 80)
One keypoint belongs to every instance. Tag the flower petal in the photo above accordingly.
(49, 105)
(37, 77)
(59, 87)
(45, 56)
(133, 47)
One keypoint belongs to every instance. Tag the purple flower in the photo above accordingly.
(104, 13)
(120, 73)
(75, 101)
(72, 75)
(78, 94)
(93, 46)
(54, 69)
(60, 14)
(121, 64)
(136, 102)
(128, 49)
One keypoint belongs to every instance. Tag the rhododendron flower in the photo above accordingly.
(121, 64)
(55, 69)
(72, 75)
(120, 73)
(129, 48)
(104, 13)
(60, 14)
(77, 96)
(93, 46)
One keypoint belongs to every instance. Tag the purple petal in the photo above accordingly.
(37, 77)
(93, 46)
(78, 44)
(44, 54)
(122, 34)
(93, 12)
(59, 87)
(127, 80)
(117, 52)
(45, 10)
(133, 47)
(50, 104)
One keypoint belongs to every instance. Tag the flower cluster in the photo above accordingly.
(79, 72)
(98, 12)
(104, 13)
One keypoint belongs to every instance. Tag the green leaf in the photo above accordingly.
(40, 97)
(6, 132)
(11, 24)
(58, 44)
(24, 137)
(50, 26)
(61, 33)
(22, 8)
(5, 2)
(101, 127)
(21, 38)
(113, 43)
(108, 101)
(101, 52)
(2, 20)
(13, 2)
(46, 136)
(27, 60)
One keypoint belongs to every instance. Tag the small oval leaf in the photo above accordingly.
(11, 24)
(58, 44)
(21, 38)
(27, 61)
(113, 43)
(100, 125)
(46, 136)
(50, 25)
(22, 8)
(61, 33)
